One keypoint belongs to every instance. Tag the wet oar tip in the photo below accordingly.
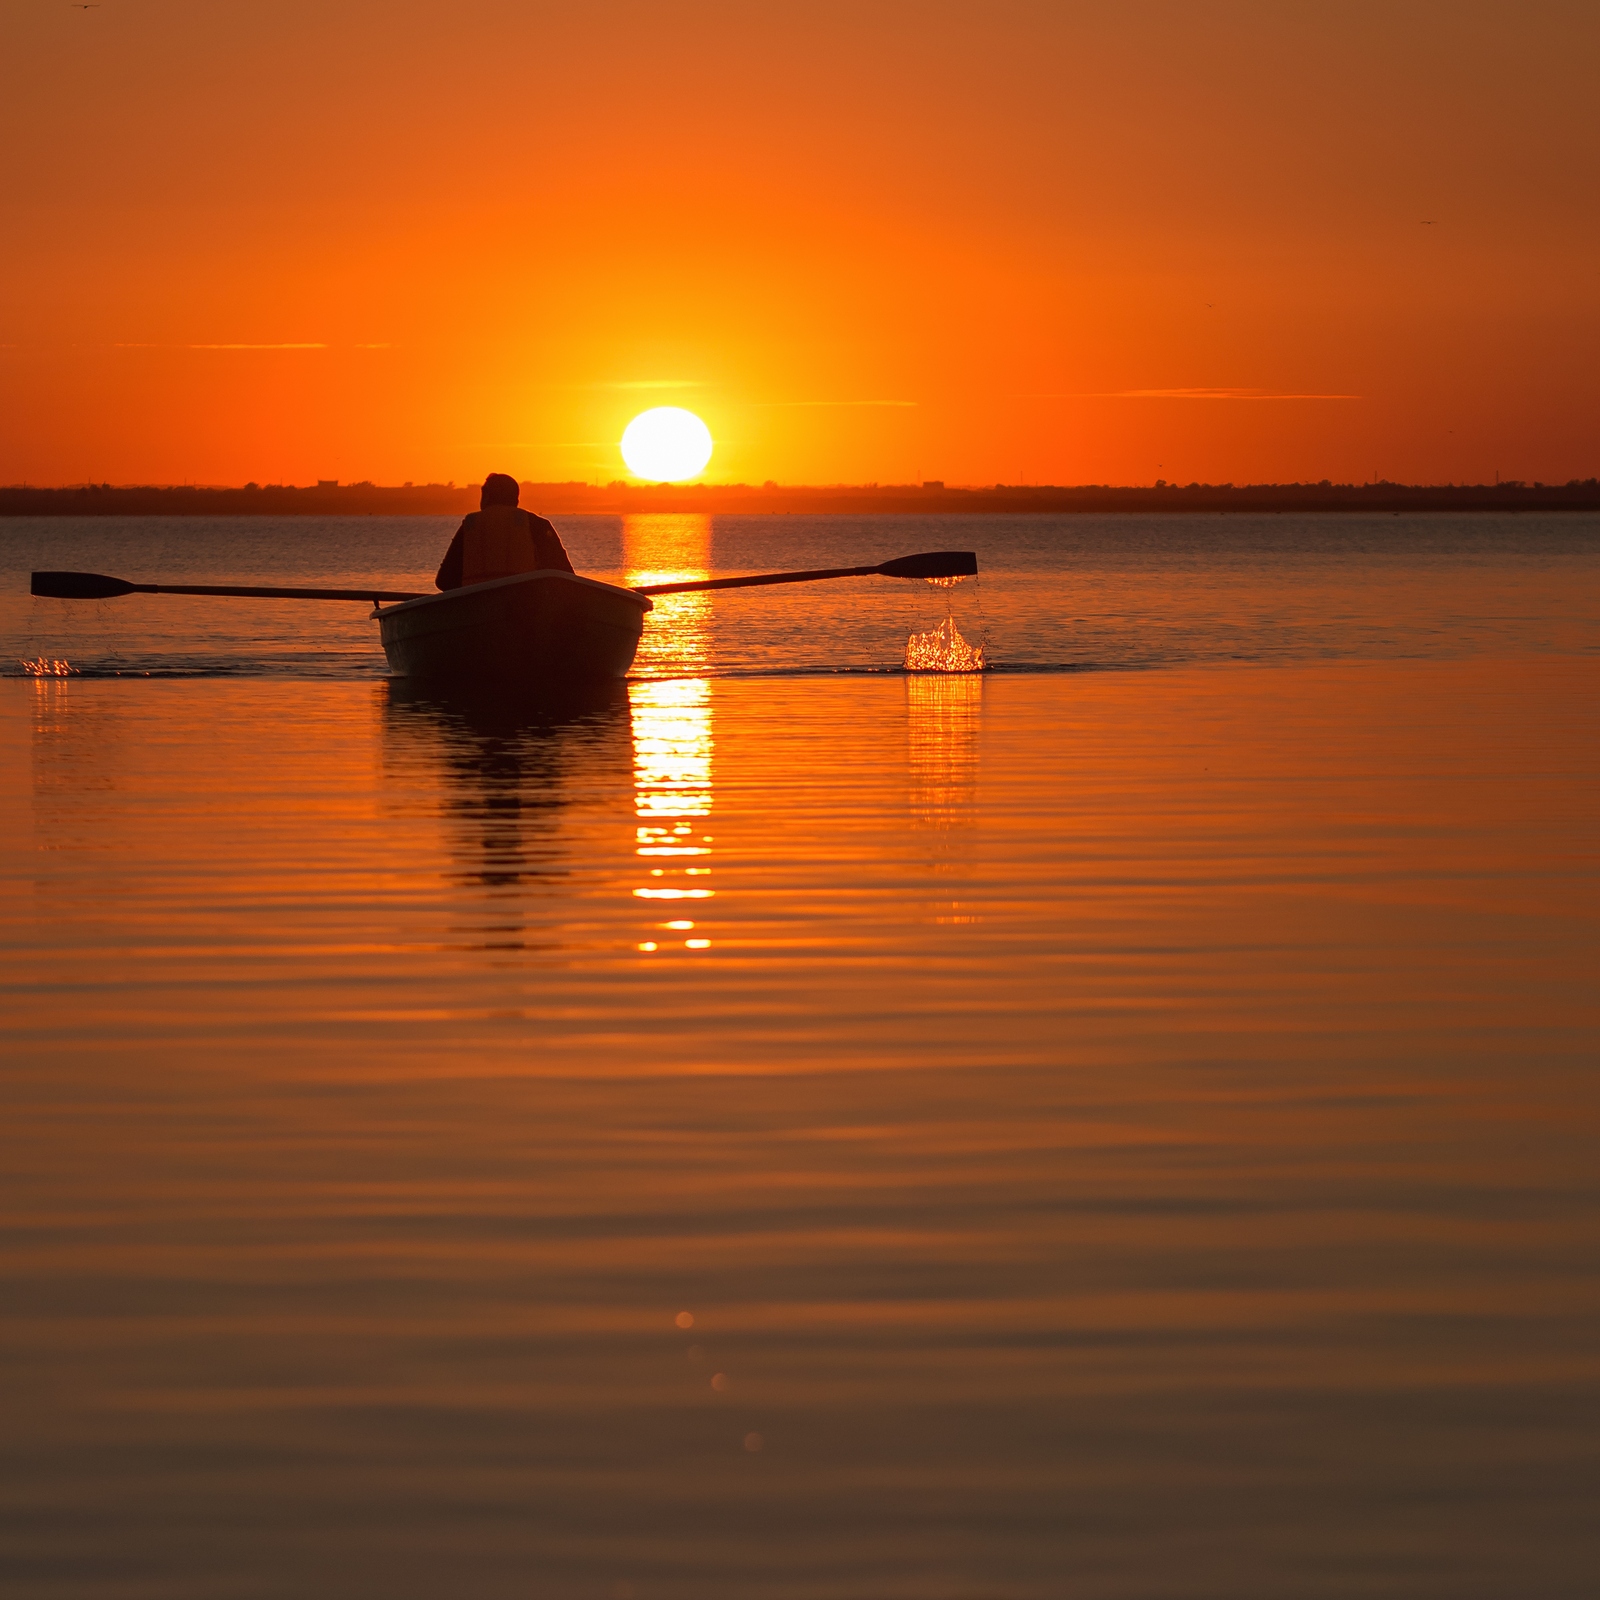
(933, 564)
(77, 586)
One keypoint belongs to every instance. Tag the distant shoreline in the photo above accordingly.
(573, 499)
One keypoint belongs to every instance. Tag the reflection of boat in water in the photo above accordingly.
(507, 769)
(537, 628)
(504, 712)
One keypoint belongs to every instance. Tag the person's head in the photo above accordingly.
(498, 490)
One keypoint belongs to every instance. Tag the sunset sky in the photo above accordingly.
(1027, 242)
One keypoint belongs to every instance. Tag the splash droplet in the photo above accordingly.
(943, 649)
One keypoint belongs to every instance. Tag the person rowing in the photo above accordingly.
(500, 540)
(486, 630)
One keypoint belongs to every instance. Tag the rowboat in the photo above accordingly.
(527, 634)
(533, 630)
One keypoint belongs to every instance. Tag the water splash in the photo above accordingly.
(47, 667)
(943, 649)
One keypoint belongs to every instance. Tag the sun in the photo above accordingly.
(666, 445)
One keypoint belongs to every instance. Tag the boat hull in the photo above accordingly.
(531, 632)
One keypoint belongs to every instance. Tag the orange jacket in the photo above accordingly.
(499, 542)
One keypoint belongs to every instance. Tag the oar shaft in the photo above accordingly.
(260, 593)
(757, 581)
(97, 586)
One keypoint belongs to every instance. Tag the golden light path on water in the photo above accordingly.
(672, 730)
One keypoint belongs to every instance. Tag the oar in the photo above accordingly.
(95, 586)
(92, 586)
(931, 564)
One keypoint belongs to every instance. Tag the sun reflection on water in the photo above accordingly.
(677, 633)
(672, 732)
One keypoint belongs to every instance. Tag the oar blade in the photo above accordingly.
(933, 564)
(78, 586)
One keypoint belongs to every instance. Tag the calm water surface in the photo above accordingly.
(797, 1130)
(1053, 592)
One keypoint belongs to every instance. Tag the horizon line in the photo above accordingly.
(771, 486)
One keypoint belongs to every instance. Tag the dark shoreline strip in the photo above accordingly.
(577, 499)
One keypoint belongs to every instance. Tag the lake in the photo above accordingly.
(1120, 1125)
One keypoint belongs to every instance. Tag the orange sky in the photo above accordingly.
(865, 241)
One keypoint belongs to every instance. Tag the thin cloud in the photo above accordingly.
(384, 346)
(1223, 394)
(896, 403)
(140, 344)
(1186, 394)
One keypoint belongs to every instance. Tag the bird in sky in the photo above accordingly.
(1429, 223)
